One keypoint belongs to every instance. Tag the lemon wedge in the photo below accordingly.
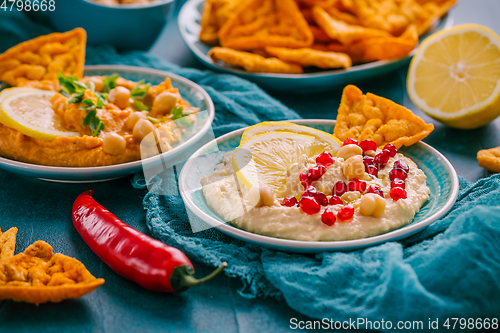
(282, 126)
(29, 111)
(455, 76)
(266, 158)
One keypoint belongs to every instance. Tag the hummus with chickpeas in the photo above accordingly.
(112, 116)
(355, 194)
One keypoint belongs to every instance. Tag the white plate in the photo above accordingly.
(189, 27)
(442, 181)
(189, 90)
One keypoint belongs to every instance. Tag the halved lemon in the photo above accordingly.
(282, 126)
(29, 111)
(266, 158)
(455, 76)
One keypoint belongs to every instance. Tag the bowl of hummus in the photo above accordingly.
(99, 124)
(321, 202)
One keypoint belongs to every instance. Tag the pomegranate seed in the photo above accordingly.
(321, 199)
(381, 159)
(304, 180)
(367, 145)
(350, 141)
(375, 189)
(335, 200)
(392, 149)
(325, 159)
(309, 205)
(397, 174)
(367, 160)
(316, 173)
(309, 192)
(339, 188)
(398, 183)
(372, 170)
(328, 217)
(401, 165)
(346, 213)
(398, 193)
(357, 185)
(289, 202)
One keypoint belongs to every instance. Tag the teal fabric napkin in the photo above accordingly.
(450, 269)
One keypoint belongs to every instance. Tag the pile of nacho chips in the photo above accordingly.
(38, 275)
(283, 36)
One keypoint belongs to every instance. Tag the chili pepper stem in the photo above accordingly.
(190, 281)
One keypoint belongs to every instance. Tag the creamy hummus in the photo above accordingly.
(235, 204)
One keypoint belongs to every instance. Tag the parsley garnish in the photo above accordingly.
(110, 82)
(70, 85)
(178, 115)
(77, 98)
(139, 105)
(96, 125)
(138, 92)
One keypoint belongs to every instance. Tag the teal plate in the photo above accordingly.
(189, 27)
(442, 181)
(189, 90)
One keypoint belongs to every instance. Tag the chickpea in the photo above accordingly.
(165, 102)
(372, 205)
(133, 118)
(354, 168)
(266, 195)
(98, 83)
(142, 128)
(113, 144)
(349, 150)
(120, 97)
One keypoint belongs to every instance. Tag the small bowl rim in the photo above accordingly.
(156, 3)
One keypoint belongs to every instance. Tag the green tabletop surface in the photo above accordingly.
(42, 210)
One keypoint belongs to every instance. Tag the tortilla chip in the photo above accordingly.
(259, 23)
(320, 35)
(310, 57)
(376, 118)
(42, 58)
(489, 159)
(214, 14)
(343, 32)
(7, 243)
(341, 16)
(374, 49)
(39, 276)
(437, 13)
(253, 62)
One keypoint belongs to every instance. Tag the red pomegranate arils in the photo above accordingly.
(309, 192)
(325, 159)
(372, 170)
(350, 141)
(392, 149)
(321, 199)
(398, 193)
(398, 183)
(316, 173)
(328, 217)
(309, 205)
(289, 202)
(367, 145)
(304, 180)
(367, 160)
(397, 174)
(339, 188)
(381, 159)
(335, 200)
(375, 189)
(357, 185)
(401, 165)
(346, 213)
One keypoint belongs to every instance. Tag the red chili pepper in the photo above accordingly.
(130, 253)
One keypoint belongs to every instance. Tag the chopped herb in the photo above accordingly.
(91, 86)
(178, 116)
(70, 85)
(155, 120)
(110, 82)
(103, 96)
(77, 98)
(88, 118)
(138, 92)
(140, 105)
(89, 105)
(92, 120)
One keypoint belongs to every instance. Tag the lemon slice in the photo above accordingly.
(455, 76)
(266, 158)
(29, 111)
(281, 126)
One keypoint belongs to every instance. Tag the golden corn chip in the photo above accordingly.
(376, 118)
(343, 32)
(341, 16)
(489, 159)
(42, 58)
(374, 49)
(7, 243)
(39, 276)
(437, 13)
(320, 35)
(214, 14)
(308, 15)
(259, 23)
(253, 62)
(310, 57)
